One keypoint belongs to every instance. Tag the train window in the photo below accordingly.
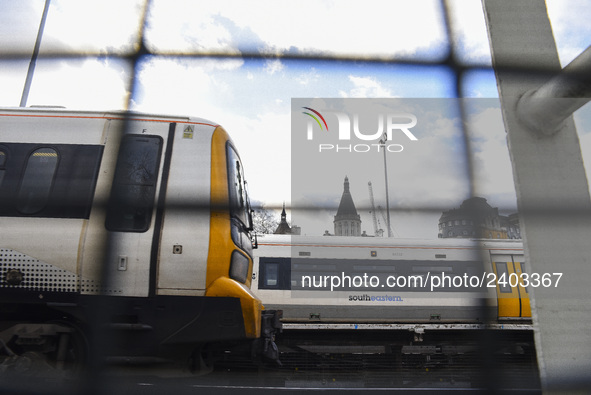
(134, 185)
(275, 273)
(48, 182)
(239, 203)
(271, 274)
(37, 180)
(503, 274)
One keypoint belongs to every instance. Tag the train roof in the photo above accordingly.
(382, 242)
(55, 111)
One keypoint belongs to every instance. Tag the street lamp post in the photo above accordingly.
(383, 144)
(31, 70)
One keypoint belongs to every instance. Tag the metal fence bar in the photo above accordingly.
(549, 176)
(541, 178)
(541, 110)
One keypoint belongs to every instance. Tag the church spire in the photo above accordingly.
(283, 215)
(347, 222)
(283, 228)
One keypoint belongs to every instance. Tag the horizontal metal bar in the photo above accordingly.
(543, 110)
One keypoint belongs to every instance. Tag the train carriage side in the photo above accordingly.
(284, 261)
(149, 211)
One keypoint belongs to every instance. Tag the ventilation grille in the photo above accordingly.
(40, 276)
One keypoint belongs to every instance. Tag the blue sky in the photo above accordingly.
(251, 97)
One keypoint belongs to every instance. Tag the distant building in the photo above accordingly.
(283, 228)
(477, 219)
(511, 223)
(347, 222)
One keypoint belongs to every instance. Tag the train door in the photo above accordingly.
(184, 241)
(129, 225)
(512, 296)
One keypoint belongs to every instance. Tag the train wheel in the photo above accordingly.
(44, 349)
(72, 349)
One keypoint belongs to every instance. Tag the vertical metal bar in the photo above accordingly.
(383, 143)
(552, 194)
(33, 62)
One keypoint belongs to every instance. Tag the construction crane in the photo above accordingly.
(377, 232)
(381, 210)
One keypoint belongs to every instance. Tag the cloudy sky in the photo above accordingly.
(251, 96)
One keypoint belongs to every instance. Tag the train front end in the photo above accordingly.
(124, 237)
(230, 261)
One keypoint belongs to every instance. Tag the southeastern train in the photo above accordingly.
(367, 301)
(395, 289)
(125, 236)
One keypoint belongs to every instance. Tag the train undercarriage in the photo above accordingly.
(176, 335)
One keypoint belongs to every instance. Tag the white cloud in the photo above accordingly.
(366, 87)
(12, 80)
(492, 166)
(570, 25)
(383, 27)
(19, 24)
(184, 26)
(191, 87)
(308, 78)
(257, 116)
(469, 30)
(86, 84)
(273, 66)
(83, 26)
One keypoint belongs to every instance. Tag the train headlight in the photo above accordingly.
(239, 266)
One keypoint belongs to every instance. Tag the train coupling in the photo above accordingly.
(271, 325)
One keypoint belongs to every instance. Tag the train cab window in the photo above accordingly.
(239, 201)
(37, 180)
(503, 273)
(134, 184)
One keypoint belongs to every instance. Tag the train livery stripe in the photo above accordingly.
(476, 248)
(160, 210)
(131, 117)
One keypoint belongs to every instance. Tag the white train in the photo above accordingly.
(356, 282)
(125, 233)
